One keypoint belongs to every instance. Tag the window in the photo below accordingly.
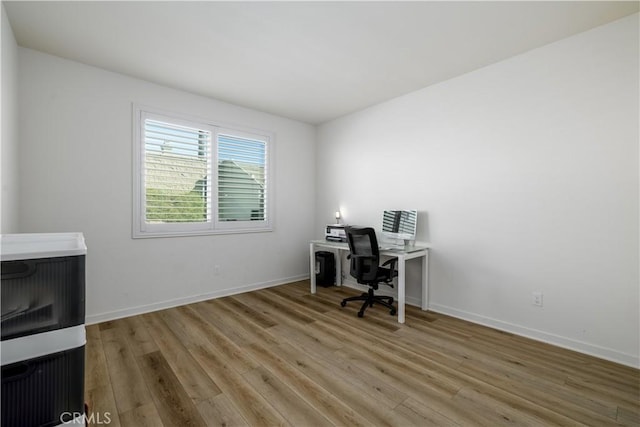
(194, 177)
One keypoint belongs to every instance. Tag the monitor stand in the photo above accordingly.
(401, 243)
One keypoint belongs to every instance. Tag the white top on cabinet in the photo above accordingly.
(41, 245)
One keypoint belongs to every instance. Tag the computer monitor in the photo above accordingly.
(400, 224)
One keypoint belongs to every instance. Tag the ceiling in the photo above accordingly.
(309, 61)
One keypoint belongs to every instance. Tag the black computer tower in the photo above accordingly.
(325, 269)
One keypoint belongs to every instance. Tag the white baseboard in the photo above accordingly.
(557, 340)
(147, 308)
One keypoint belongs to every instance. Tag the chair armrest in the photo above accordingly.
(392, 265)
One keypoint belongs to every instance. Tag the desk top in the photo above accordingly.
(383, 250)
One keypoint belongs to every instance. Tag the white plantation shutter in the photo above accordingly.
(242, 177)
(193, 177)
(177, 171)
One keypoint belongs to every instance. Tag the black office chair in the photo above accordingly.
(365, 268)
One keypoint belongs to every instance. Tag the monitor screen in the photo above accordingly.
(400, 224)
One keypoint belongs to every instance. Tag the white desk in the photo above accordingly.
(402, 255)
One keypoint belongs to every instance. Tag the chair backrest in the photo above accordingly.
(362, 242)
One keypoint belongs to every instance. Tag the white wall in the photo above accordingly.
(526, 177)
(75, 175)
(9, 125)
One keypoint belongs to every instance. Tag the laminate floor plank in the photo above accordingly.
(447, 355)
(411, 413)
(107, 325)
(395, 357)
(622, 384)
(242, 327)
(250, 313)
(527, 385)
(102, 406)
(204, 334)
(171, 400)
(284, 399)
(281, 356)
(142, 416)
(196, 382)
(386, 353)
(493, 412)
(275, 309)
(224, 320)
(521, 362)
(315, 304)
(341, 388)
(129, 388)
(367, 385)
(546, 414)
(250, 404)
(416, 387)
(96, 373)
(220, 412)
(553, 360)
(139, 339)
(611, 394)
(438, 330)
(192, 339)
(628, 417)
(318, 397)
(307, 338)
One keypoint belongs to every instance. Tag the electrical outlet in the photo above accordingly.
(536, 298)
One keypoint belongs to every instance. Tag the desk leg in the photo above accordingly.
(425, 281)
(312, 267)
(401, 288)
(338, 256)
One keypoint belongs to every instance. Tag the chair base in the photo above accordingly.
(369, 299)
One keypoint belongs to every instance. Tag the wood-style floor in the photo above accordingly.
(281, 356)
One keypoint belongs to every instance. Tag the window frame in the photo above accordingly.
(143, 229)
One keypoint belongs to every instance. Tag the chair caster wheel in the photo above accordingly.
(343, 303)
(360, 314)
(393, 312)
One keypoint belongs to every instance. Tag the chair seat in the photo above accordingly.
(385, 274)
(365, 268)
